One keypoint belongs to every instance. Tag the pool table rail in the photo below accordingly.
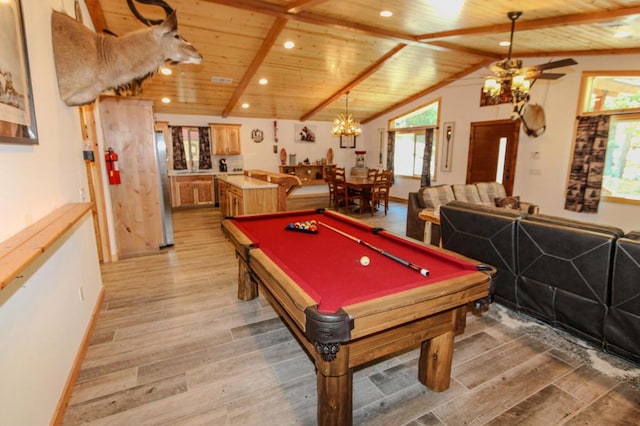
(374, 315)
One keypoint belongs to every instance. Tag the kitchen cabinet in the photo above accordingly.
(226, 138)
(239, 195)
(191, 190)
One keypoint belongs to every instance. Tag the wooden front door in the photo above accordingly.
(493, 149)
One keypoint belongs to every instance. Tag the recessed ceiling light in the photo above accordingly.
(505, 43)
(165, 71)
(386, 13)
(263, 81)
(289, 45)
(166, 100)
(623, 34)
(245, 105)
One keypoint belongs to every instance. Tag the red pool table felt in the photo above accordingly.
(327, 265)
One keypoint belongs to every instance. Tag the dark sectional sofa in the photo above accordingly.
(577, 276)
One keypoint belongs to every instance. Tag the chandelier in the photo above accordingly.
(517, 86)
(345, 124)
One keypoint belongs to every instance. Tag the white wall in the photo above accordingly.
(460, 104)
(42, 319)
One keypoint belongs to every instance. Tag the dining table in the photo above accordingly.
(360, 187)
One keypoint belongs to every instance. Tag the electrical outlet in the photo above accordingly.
(83, 196)
(81, 294)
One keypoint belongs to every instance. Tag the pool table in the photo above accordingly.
(346, 314)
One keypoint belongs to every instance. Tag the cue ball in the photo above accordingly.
(364, 261)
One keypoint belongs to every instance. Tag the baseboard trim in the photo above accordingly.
(65, 397)
(399, 200)
(310, 195)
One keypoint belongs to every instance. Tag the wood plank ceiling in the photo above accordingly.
(345, 46)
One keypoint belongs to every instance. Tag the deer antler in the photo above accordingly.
(148, 22)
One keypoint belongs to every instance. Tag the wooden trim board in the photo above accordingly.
(19, 251)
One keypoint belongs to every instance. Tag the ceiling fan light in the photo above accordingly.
(492, 86)
(520, 83)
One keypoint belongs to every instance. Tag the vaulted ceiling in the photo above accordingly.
(346, 46)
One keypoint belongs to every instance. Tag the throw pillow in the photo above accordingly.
(509, 202)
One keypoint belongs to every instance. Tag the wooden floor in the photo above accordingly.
(173, 346)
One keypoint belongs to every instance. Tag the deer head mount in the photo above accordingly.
(532, 118)
(87, 63)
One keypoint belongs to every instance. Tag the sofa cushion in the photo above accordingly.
(435, 196)
(512, 203)
(466, 192)
(489, 191)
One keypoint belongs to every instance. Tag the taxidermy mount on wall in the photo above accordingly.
(88, 63)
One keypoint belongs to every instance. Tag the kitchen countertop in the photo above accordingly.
(246, 182)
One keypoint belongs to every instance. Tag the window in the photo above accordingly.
(618, 95)
(410, 140)
(622, 162)
(191, 143)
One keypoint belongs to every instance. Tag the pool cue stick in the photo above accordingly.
(413, 266)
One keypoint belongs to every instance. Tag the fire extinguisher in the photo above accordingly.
(112, 167)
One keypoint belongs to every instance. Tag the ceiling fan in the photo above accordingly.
(520, 78)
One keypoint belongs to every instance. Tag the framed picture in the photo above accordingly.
(305, 133)
(347, 141)
(447, 146)
(17, 117)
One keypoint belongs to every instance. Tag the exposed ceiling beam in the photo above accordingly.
(456, 48)
(97, 15)
(624, 51)
(425, 92)
(315, 19)
(297, 6)
(536, 24)
(366, 73)
(271, 37)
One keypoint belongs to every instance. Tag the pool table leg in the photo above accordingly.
(247, 288)
(436, 356)
(335, 390)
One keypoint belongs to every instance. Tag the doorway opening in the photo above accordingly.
(493, 151)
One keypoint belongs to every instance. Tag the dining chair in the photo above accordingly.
(339, 188)
(329, 177)
(380, 191)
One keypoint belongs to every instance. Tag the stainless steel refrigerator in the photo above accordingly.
(165, 190)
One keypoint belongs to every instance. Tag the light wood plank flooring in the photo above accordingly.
(173, 346)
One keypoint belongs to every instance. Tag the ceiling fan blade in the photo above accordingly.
(549, 76)
(555, 64)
